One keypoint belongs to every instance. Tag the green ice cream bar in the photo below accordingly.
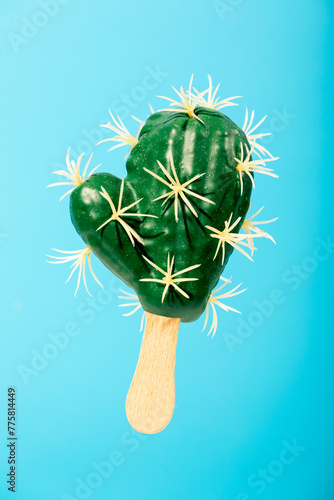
(169, 227)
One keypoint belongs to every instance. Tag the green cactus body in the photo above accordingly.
(207, 147)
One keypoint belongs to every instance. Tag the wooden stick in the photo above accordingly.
(151, 397)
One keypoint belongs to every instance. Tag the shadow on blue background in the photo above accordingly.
(253, 417)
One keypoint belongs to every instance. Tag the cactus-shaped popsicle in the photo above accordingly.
(169, 228)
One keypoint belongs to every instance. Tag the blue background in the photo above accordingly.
(236, 404)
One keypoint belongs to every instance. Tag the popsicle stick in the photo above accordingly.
(151, 397)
